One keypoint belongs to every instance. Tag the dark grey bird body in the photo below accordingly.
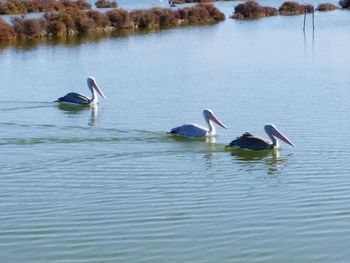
(74, 98)
(251, 142)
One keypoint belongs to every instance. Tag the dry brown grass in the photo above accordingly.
(119, 18)
(29, 28)
(326, 7)
(201, 13)
(31, 6)
(291, 8)
(101, 19)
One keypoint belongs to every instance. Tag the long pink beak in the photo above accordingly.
(217, 121)
(99, 91)
(282, 137)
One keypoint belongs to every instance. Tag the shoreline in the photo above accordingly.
(89, 37)
(74, 22)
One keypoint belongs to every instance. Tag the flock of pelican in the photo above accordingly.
(247, 141)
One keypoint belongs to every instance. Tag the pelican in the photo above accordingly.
(171, 3)
(73, 98)
(251, 142)
(197, 131)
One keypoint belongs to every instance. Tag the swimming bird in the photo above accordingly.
(73, 98)
(171, 3)
(251, 142)
(197, 131)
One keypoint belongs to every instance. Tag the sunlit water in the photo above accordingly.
(107, 184)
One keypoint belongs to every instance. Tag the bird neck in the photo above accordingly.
(94, 98)
(212, 130)
(275, 143)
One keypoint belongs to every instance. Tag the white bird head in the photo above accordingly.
(209, 115)
(93, 85)
(271, 129)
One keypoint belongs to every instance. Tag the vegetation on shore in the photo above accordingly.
(253, 10)
(10, 7)
(326, 7)
(73, 21)
(291, 8)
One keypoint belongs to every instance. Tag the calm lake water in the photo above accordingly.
(108, 185)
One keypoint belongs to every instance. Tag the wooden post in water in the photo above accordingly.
(313, 18)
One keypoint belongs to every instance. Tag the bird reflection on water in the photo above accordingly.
(207, 139)
(270, 158)
(77, 110)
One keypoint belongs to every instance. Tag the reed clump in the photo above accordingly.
(200, 13)
(7, 31)
(29, 28)
(253, 10)
(119, 18)
(106, 4)
(326, 7)
(101, 20)
(291, 8)
(9, 7)
(70, 21)
(166, 17)
(345, 3)
(73, 21)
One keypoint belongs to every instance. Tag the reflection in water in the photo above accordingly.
(210, 160)
(206, 145)
(312, 39)
(270, 158)
(73, 110)
(73, 40)
(93, 116)
(210, 139)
